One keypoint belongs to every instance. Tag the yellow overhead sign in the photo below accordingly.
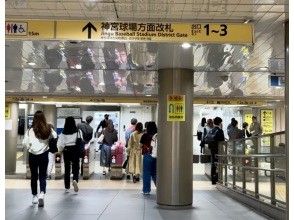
(175, 107)
(132, 31)
(228, 102)
(30, 29)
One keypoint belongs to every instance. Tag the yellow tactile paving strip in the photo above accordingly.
(97, 184)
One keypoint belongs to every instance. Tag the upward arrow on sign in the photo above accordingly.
(89, 26)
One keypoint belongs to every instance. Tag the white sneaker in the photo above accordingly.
(35, 200)
(41, 199)
(67, 191)
(75, 186)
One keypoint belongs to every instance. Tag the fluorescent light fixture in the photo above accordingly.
(247, 21)
(44, 97)
(263, 68)
(78, 66)
(148, 95)
(81, 103)
(32, 63)
(186, 45)
(101, 84)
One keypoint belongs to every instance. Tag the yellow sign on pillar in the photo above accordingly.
(267, 124)
(248, 118)
(7, 111)
(175, 107)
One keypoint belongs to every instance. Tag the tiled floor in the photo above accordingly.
(105, 199)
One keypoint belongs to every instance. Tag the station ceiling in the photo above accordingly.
(130, 69)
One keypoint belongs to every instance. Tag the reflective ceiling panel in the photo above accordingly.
(115, 68)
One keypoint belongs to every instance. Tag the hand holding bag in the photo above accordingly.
(52, 142)
(100, 138)
(80, 143)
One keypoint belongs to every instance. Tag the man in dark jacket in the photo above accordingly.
(103, 123)
(87, 131)
(218, 136)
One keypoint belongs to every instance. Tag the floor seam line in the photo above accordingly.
(109, 204)
(57, 214)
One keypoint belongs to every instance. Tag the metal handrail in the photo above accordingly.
(252, 168)
(258, 136)
(252, 155)
(229, 160)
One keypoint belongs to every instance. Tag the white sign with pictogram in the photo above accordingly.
(16, 28)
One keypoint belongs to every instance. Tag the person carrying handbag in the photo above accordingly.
(37, 142)
(70, 143)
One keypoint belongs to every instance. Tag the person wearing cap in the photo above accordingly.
(87, 132)
(103, 123)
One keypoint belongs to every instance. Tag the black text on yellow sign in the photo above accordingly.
(267, 124)
(175, 107)
(7, 111)
(131, 31)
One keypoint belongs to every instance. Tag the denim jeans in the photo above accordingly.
(149, 171)
(38, 166)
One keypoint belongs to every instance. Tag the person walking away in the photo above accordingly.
(207, 128)
(51, 159)
(256, 130)
(149, 161)
(71, 153)
(36, 140)
(245, 132)
(87, 132)
(102, 124)
(134, 151)
(110, 137)
(213, 138)
(128, 133)
(200, 133)
(230, 126)
(234, 132)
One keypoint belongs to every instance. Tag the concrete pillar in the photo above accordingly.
(175, 151)
(11, 140)
(32, 108)
(287, 110)
(50, 114)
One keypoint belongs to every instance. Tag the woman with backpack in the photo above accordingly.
(67, 144)
(37, 142)
(149, 151)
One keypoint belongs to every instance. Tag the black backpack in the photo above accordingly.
(210, 137)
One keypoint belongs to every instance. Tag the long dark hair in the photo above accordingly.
(70, 126)
(151, 128)
(41, 129)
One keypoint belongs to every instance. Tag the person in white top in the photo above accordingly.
(36, 140)
(71, 153)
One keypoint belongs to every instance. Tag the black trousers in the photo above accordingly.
(214, 160)
(71, 158)
(38, 166)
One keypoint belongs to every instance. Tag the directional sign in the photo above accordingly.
(89, 26)
(248, 118)
(233, 33)
(175, 107)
